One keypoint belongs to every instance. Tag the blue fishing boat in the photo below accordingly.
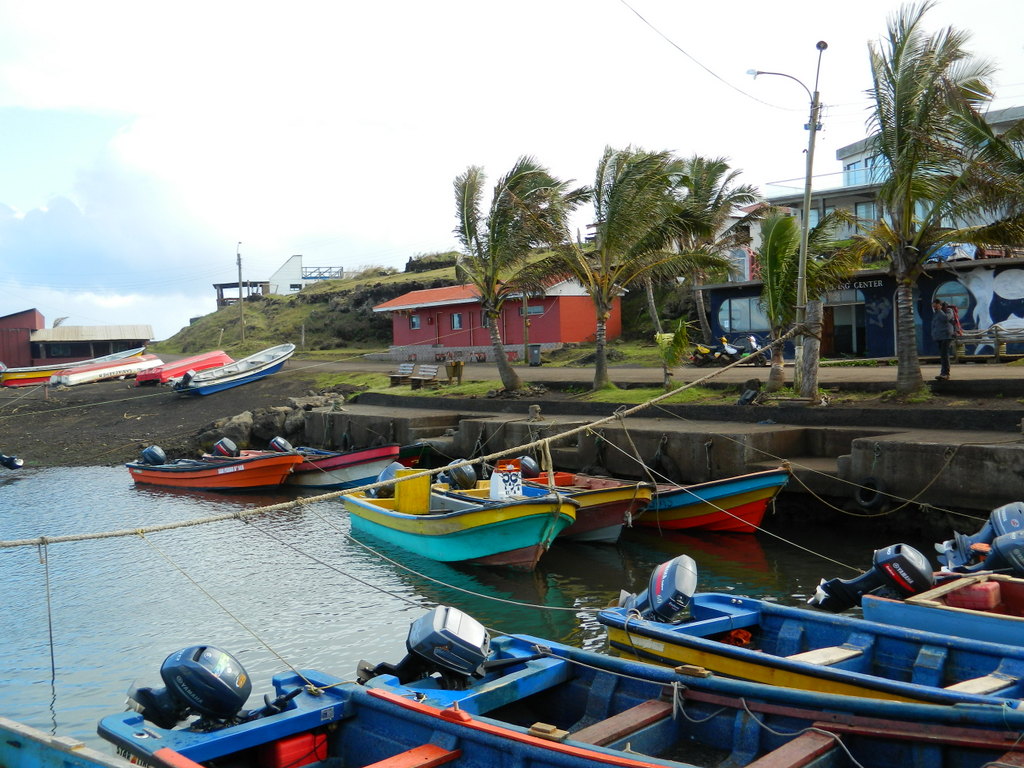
(466, 700)
(799, 648)
(22, 746)
(984, 606)
(235, 374)
(513, 531)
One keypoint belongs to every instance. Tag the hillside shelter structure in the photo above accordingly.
(438, 324)
(26, 341)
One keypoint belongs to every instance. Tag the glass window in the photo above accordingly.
(532, 310)
(414, 322)
(952, 292)
(485, 321)
(742, 316)
(814, 218)
(456, 321)
(866, 212)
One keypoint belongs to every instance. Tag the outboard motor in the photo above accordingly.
(201, 680)
(1005, 554)
(446, 642)
(280, 445)
(153, 455)
(898, 568)
(11, 462)
(226, 447)
(462, 478)
(388, 473)
(668, 592)
(961, 551)
(529, 467)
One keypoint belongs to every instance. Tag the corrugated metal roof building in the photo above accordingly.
(25, 342)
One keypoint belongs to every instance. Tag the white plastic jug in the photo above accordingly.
(507, 479)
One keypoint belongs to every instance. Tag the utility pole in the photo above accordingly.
(241, 303)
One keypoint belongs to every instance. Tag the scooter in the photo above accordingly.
(758, 355)
(703, 354)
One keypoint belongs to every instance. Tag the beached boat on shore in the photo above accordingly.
(115, 369)
(244, 371)
(464, 699)
(162, 374)
(40, 374)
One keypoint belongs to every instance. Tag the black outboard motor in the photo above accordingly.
(388, 473)
(529, 467)
(462, 478)
(201, 680)
(445, 642)
(11, 462)
(153, 455)
(961, 552)
(668, 592)
(899, 568)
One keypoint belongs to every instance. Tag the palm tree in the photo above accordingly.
(928, 91)
(636, 199)
(528, 207)
(712, 198)
(779, 262)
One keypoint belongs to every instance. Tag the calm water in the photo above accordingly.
(293, 587)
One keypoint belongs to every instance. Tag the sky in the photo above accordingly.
(144, 146)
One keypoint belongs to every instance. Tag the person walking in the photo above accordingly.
(942, 334)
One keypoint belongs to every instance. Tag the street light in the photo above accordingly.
(813, 126)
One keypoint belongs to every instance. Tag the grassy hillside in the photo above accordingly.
(329, 315)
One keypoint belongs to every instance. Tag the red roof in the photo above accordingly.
(431, 297)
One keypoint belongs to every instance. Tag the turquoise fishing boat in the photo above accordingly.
(513, 531)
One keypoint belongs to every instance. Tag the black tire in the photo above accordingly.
(871, 493)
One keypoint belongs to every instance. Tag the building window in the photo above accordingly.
(295, 287)
(866, 212)
(414, 322)
(531, 310)
(456, 321)
(954, 293)
(485, 321)
(743, 316)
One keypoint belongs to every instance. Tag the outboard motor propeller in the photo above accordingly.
(445, 642)
(898, 567)
(11, 462)
(958, 553)
(201, 680)
(668, 592)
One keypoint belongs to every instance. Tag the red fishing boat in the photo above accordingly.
(259, 469)
(178, 368)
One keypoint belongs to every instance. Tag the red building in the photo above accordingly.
(26, 341)
(449, 323)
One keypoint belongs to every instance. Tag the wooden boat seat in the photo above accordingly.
(826, 656)
(983, 685)
(424, 756)
(619, 726)
(804, 750)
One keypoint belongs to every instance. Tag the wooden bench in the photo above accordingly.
(826, 656)
(426, 756)
(423, 374)
(405, 370)
(619, 726)
(994, 336)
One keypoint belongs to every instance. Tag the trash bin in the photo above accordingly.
(534, 350)
(454, 370)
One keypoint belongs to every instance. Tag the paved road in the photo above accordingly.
(967, 378)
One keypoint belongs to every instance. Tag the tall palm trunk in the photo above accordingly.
(908, 377)
(509, 377)
(702, 312)
(777, 372)
(601, 379)
(652, 306)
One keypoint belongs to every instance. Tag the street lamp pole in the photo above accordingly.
(241, 301)
(813, 126)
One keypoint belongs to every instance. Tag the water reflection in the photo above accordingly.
(291, 587)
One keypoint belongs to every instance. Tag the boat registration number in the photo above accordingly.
(225, 470)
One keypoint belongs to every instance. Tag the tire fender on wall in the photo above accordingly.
(870, 494)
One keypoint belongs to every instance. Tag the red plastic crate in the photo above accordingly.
(294, 751)
(978, 597)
